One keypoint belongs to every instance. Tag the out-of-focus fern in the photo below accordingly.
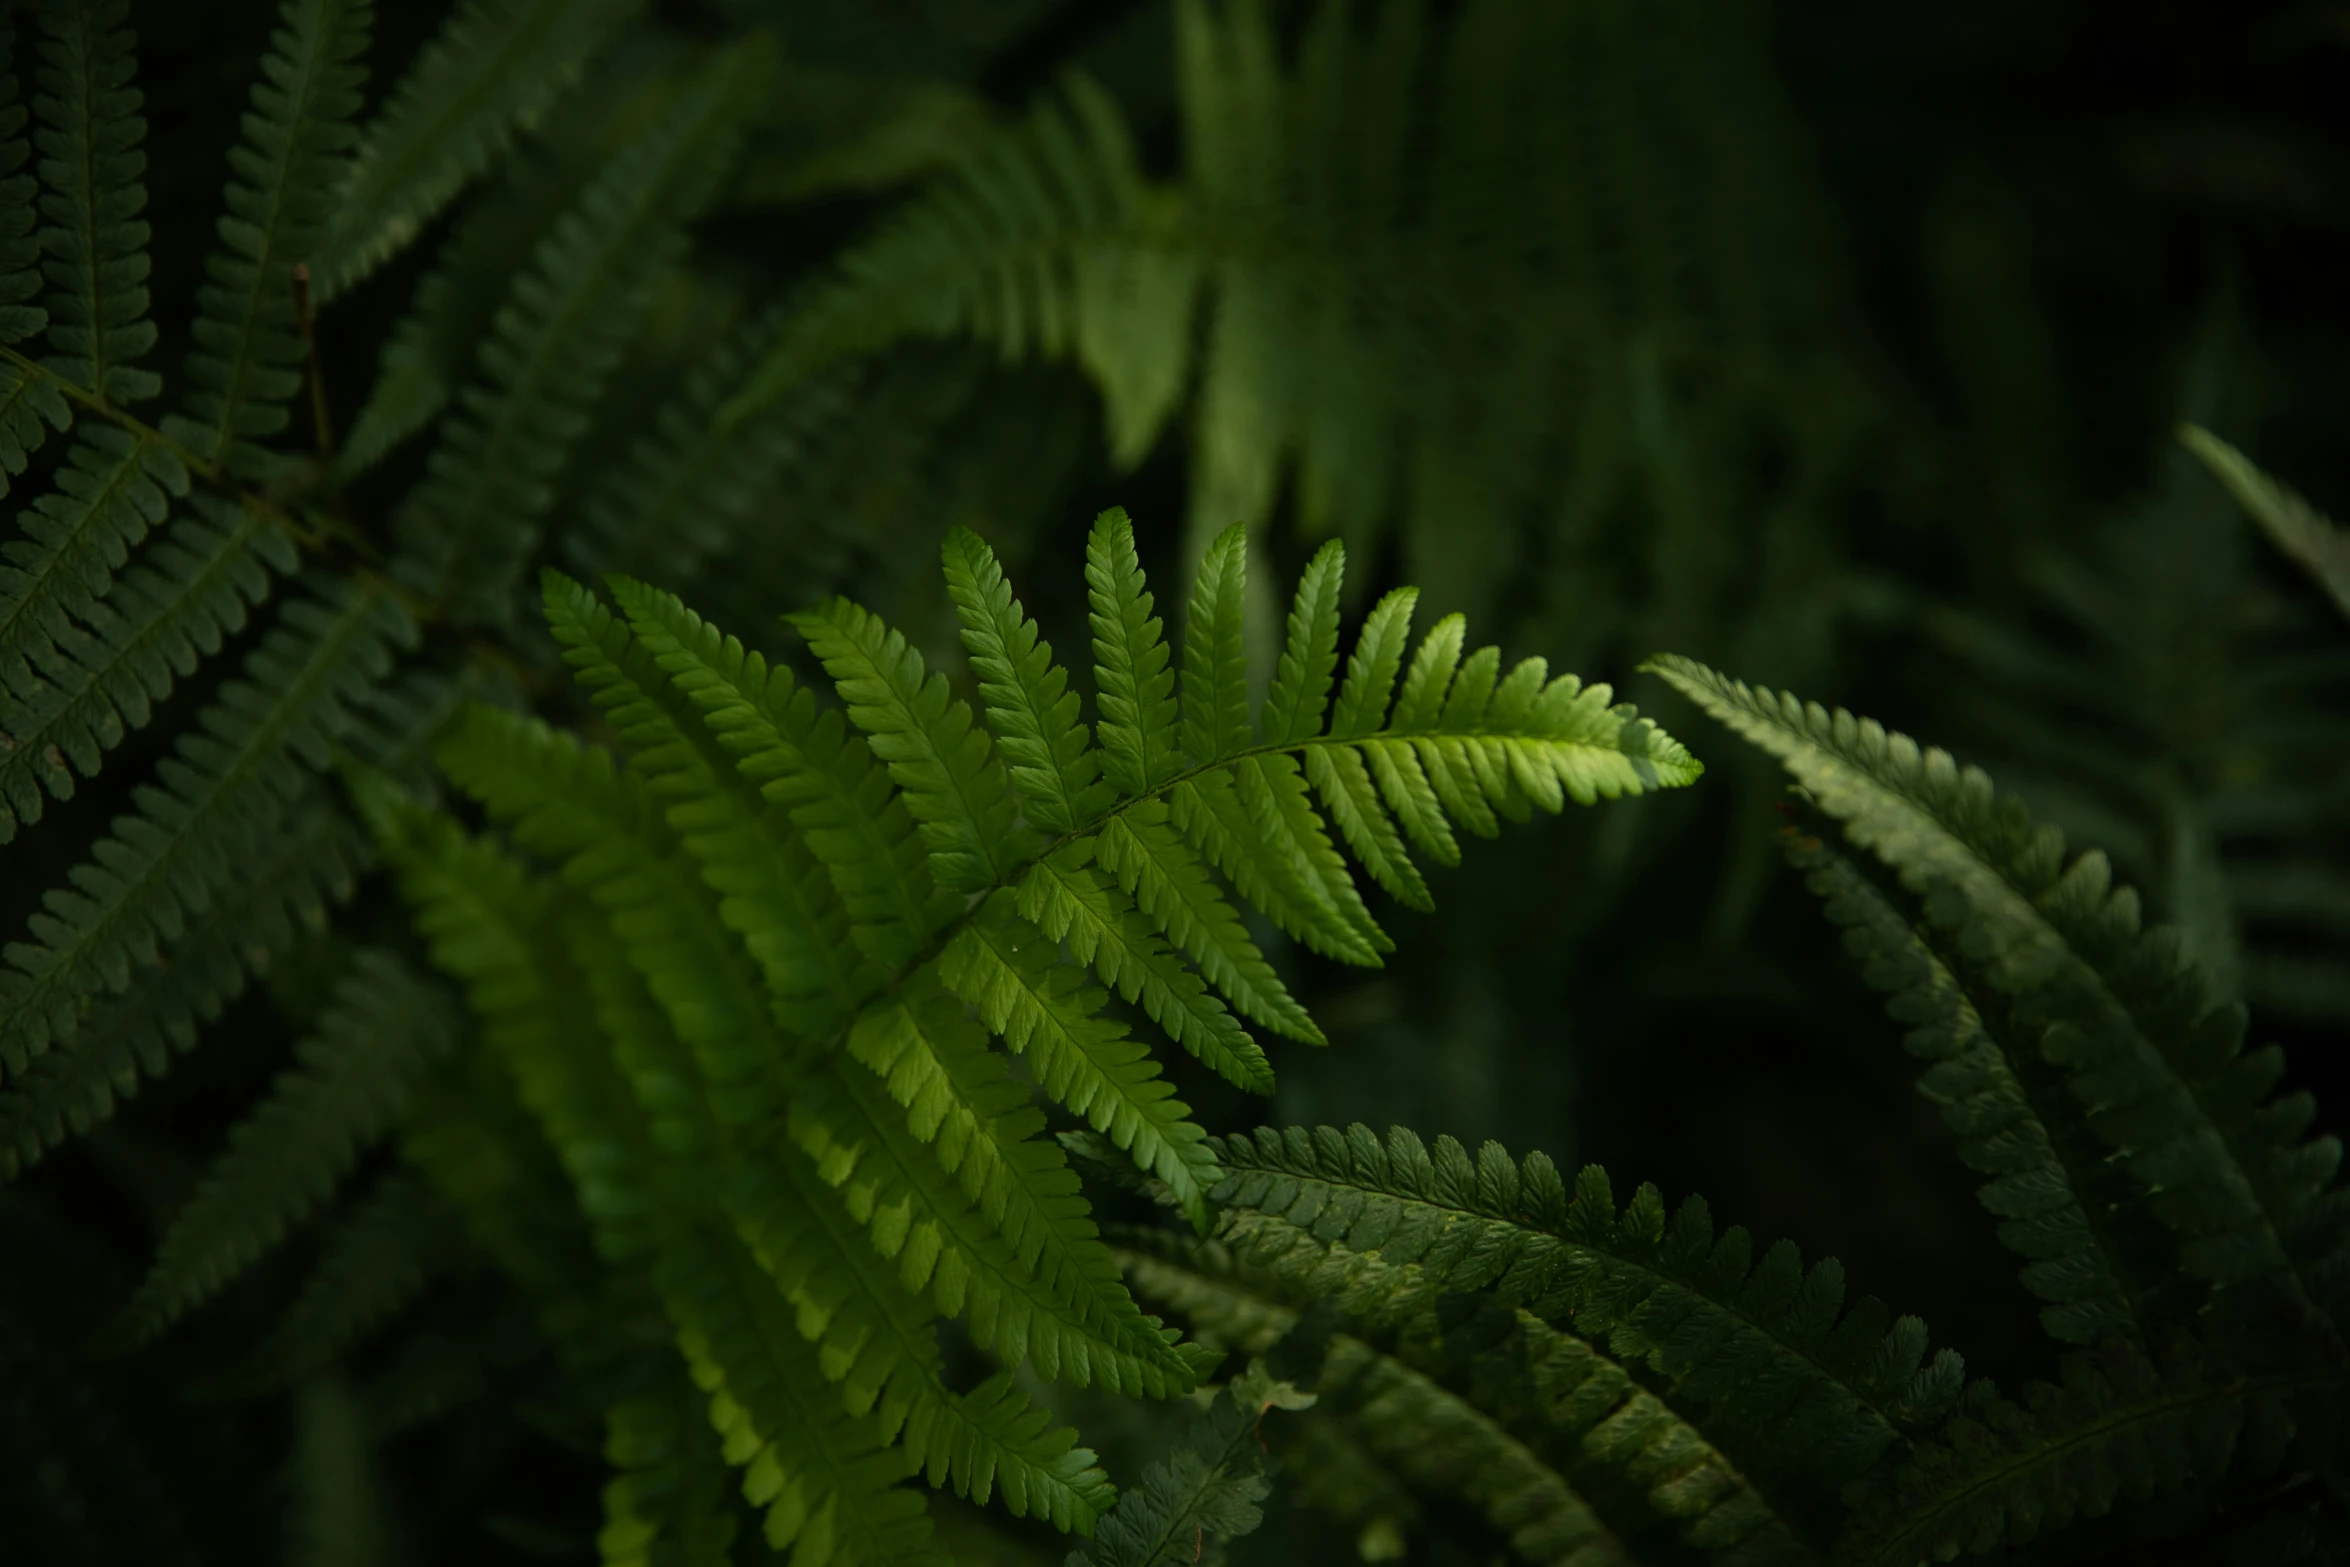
(1207, 1491)
(2310, 538)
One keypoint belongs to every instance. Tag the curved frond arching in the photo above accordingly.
(355, 1074)
(491, 71)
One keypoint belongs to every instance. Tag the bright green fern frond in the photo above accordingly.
(184, 596)
(2121, 1427)
(222, 795)
(1309, 661)
(243, 371)
(473, 521)
(940, 759)
(919, 1216)
(1244, 823)
(826, 777)
(1066, 898)
(1055, 1479)
(1157, 869)
(1372, 667)
(959, 1100)
(2305, 535)
(354, 1078)
(1011, 974)
(1131, 673)
(1215, 653)
(2160, 1070)
(491, 71)
(1204, 1493)
(1029, 704)
(1761, 1349)
(2056, 1199)
(668, 1503)
(772, 892)
(92, 173)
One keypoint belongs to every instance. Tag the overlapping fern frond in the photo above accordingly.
(824, 920)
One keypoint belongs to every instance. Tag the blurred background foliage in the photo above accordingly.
(1839, 345)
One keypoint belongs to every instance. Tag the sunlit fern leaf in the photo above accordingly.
(1008, 971)
(1136, 686)
(186, 594)
(1206, 1492)
(379, 1255)
(1215, 655)
(222, 795)
(668, 1503)
(1069, 900)
(2315, 541)
(92, 170)
(690, 485)
(941, 760)
(959, 1099)
(2121, 1426)
(471, 523)
(1758, 1349)
(353, 1081)
(804, 760)
(1029, 704)
(491, 71)
(1300, 693)
(2084, 1243)
(2160, 1068)
(111, 488)
(244, 368)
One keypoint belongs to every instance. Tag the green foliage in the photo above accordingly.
(2308, 537)
(1204, 1493)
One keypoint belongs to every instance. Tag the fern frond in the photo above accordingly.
(839, 798)
(1300, 692)
(959, 1100)
(243, 371)
(667, 1503)
(373, 1264)
(222, 793)
(1208, 1489)
(1029, 704)
(1157, 869)
(491, 71)
(2161, 1072)
(2292, 524)
(1215, 654)
(111, 488)
(919, 1216)
(1008, 970)
(92, 173)
(939, 758)
(1066, 898)
(2122, 1426)
(187, 593)
(310, 863)
(31, 405)
(1131, 674)
(1764, 1349)
(355, 1076)
(2008, 1108)
(473, 521)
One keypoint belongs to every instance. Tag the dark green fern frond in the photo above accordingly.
(491, 71)
(242, 372)
(222, 794)
(106, 673)
(92, 173)
(2121, 1426)
(1757, 1350)
(2308, 537)
(469, 527)
(377, 1258)
(668, 1503)
(2158, 1064)
(356, 1074)
(1205, 1493)
(2059, 1202)
(30, 403)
